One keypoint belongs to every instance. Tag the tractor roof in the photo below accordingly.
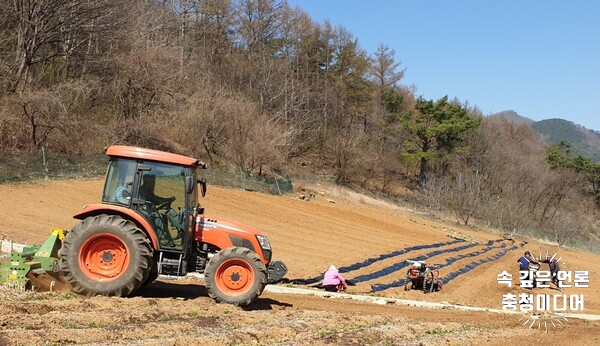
(152, 155)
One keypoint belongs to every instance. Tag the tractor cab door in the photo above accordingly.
(161, 199)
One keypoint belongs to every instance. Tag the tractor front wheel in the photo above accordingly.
(106, 255)
(236, 276)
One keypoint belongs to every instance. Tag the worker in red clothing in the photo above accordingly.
(333, 281)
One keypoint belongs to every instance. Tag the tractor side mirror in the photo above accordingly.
(202, 183)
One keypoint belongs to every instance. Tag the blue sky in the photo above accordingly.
(538, 58)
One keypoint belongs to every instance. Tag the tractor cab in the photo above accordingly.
(158, 192)
(161, 188)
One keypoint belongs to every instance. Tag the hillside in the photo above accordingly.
(368, 240)
(262, 89)
(584, 141)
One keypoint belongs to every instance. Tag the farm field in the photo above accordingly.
(368, 240)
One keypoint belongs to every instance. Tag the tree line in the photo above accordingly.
(260, 85)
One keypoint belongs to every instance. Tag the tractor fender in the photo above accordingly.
(224, 233)
(96, 209)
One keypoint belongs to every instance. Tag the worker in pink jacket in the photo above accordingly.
(333, 281)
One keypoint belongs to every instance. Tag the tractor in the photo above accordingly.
(150, 224)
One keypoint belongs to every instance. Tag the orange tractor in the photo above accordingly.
(150, 223)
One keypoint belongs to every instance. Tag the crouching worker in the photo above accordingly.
(554, 269)
(333, 281)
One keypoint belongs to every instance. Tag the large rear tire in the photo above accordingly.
(235, 276)
(106, 255)
(152, 276)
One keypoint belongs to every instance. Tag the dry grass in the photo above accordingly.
(334, 193)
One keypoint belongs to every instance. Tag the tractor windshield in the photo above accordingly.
(119, 182)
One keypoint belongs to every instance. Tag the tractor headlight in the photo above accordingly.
(264, 242)
(265, 247)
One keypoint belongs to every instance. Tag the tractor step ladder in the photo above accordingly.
(170, 266)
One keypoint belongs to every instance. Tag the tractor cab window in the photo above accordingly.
(119, 182)
(162, 188)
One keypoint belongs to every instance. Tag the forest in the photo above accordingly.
(259, 85)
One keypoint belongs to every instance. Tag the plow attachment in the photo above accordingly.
(36, 268)
(43, 281)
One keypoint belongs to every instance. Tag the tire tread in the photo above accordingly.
(135, 275)
(249, 256)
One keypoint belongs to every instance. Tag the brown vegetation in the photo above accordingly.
(260, 85)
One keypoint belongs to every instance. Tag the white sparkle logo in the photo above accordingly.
(540, 323)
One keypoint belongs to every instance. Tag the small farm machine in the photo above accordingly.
(148, 224)
(422, 277)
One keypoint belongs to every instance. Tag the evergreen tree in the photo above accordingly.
(559, 156)
(436, 128)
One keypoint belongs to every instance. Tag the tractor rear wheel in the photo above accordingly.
(106, 255)
(236, 276)
(152, 276)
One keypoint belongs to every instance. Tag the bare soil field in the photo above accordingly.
(369, 241)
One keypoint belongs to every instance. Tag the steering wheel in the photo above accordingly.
(166, 204)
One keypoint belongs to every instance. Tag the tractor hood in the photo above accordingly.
(224, 233)
(208, 223)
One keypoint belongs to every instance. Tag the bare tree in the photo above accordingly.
(436, 194)
(50, 29)
(385, 70)
(344, 150)
(51, 114)
(466, 195)
(214, 23)
(256, 141)
(564, 228)
(258, 25)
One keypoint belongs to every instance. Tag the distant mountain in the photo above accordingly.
(514, 118)
(584, 141)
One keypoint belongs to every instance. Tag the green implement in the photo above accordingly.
(36, 267)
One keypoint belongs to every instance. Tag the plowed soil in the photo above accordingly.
(368, 240)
